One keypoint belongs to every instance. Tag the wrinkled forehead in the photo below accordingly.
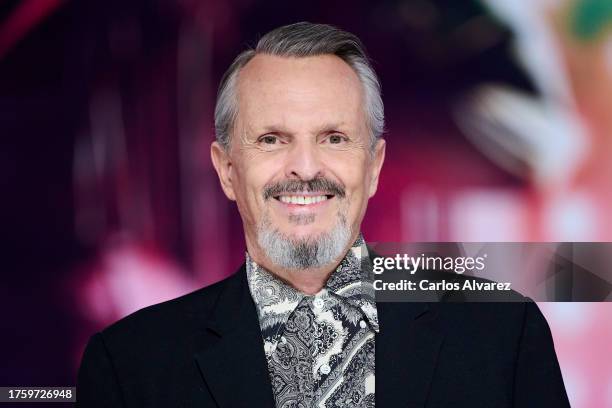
(299, 93)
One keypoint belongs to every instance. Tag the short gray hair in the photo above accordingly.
(303, 40)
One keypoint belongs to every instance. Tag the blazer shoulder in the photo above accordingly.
(176, 316)
(505, 320)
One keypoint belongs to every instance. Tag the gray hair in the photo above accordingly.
(303, 40)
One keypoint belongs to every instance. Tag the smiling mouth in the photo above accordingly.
(298, 199)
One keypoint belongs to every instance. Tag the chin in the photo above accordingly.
(307, 233)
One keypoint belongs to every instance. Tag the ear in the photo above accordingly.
(376, 165)
(223, 165)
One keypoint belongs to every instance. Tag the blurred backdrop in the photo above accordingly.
(499, 128)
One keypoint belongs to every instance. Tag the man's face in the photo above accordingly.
(299, 162)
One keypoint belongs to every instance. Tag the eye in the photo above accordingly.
(270, 142)
(268, 139)
(336, 139)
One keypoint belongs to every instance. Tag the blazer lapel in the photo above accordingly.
(407, 348)
(234, 365)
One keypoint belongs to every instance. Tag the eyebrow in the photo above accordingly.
(326, 128)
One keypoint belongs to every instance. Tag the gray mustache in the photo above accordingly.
(295, 186)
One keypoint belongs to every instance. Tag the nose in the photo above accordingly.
(303, 161)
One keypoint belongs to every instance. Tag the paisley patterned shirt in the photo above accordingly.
(319, 349)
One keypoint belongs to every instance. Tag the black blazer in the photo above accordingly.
(205, 349)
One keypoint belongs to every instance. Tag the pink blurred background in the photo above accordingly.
(498, 129)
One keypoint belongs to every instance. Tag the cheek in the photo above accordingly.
(255, 173)
(242, 183)
(356, 179)
(351, 171)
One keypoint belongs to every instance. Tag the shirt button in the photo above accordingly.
(325, 369)
(318, 303)
(362, 324)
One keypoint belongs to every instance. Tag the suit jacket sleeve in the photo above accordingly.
(97, 384)
(538, 381)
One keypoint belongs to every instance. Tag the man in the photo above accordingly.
(299, 148)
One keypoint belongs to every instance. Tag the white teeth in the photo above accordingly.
(303, 200)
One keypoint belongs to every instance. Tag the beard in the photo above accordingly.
(303, 253)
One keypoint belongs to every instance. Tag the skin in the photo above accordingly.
(298, 119)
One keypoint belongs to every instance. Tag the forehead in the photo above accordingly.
(293, 92)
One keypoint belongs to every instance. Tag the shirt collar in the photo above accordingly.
(275, 300)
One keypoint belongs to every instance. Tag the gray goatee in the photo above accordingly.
(306, 253)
